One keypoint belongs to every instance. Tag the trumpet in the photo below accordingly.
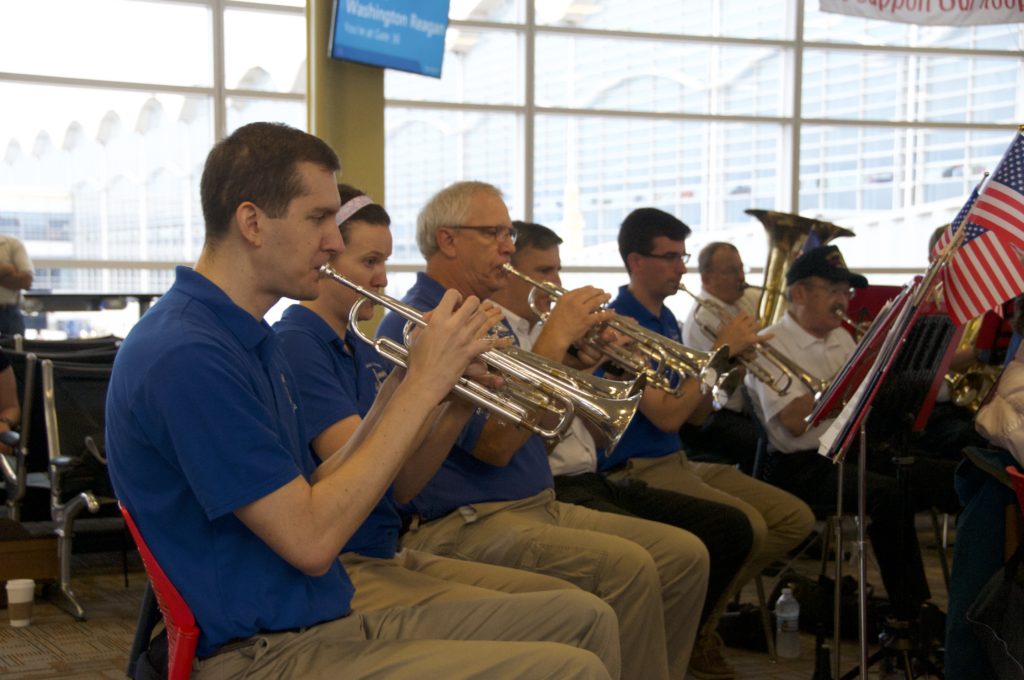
(661, 360)
(857, 330)
(537, 391)
(970, 388)
(766, 367)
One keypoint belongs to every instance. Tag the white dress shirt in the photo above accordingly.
(821, 357)
(698, 316)
(577, 452)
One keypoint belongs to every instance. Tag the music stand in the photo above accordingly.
(905, 393)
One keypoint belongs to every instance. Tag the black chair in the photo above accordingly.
(21, 344)
(26, 468)
(26, 471)
(74, 398)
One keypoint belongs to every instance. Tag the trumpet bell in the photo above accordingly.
(608, 405)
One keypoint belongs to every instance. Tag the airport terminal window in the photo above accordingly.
(103, 163)
(580, 111)
(694, 108)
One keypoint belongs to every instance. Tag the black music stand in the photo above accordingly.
(899, 407)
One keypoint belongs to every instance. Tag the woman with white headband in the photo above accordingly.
(342, 383)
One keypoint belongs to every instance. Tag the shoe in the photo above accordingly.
(707, 662)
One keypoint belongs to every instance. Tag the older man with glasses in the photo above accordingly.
(493, 498)
(811, 335)
(728, 435)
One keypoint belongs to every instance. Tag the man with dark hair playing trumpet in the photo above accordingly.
(724, 530)
(652, 244)
(493, 501)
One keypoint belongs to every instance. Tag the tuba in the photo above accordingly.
(787, 236)
(660, 360)
(540, 395)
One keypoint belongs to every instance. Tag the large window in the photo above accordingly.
(110, 107)
(582, 111)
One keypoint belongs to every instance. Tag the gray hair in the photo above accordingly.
(708, 252)
(449, 207)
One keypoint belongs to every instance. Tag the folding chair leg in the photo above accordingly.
(149, 615)
(765, 620)
(64, 597)
(940, 540)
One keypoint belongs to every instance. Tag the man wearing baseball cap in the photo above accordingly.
(811, 335)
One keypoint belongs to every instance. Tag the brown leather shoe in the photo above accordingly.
(707, 662)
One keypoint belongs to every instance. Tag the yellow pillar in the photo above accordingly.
(346, 105)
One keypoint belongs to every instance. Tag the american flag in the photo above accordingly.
(987, 269)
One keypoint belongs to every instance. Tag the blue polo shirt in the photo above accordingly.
(642, 438)
(336, 383)
(203, 419)
(462, 478)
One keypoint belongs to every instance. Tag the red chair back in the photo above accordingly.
(182, 632)
(1017, 477)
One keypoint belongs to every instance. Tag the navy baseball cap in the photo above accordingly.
(826, 262)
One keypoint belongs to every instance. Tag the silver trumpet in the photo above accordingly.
(766, 366)
(663, 361)
(537, 391)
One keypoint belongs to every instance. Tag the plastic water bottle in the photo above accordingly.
(787, 625)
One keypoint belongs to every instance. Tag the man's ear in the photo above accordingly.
(797, 293)
(633, 261)
(445, 241)
(247, 221)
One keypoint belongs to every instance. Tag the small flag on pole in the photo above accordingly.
(987, 268)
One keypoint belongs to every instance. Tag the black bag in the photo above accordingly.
(997, 616)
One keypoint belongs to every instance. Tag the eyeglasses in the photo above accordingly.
(833, 291)
(498, 232)
(670, 258)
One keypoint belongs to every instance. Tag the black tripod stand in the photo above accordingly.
(905, 397)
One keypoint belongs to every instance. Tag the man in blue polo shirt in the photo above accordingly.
(207, 448)
(652, 245)
(338, 376)
(492, 500)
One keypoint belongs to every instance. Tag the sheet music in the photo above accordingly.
(838, 426)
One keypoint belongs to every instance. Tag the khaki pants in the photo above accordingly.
(413, 578)
(779, 520)
(452, 640)
(653, 575)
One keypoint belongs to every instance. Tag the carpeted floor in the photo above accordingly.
(57, 646)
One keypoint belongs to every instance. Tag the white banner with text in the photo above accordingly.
(932, 12)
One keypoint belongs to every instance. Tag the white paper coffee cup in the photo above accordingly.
(21, 593)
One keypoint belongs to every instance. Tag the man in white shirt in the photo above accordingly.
(15, 276)
(727, 435)
(811, 334)
(723, 529)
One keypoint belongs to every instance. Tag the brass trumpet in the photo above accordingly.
(661, 360)
(537, 390)
(766, 367)
(857, 330)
